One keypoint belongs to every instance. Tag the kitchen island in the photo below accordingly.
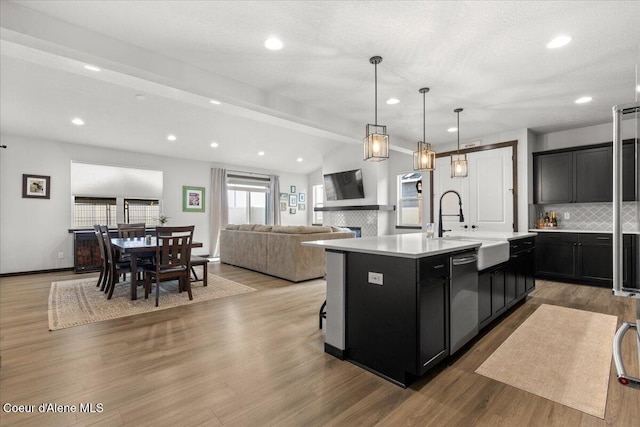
(392, 307)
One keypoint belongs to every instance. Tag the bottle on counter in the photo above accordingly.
(554, 219)
(547, 220)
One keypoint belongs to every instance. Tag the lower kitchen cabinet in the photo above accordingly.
(584, 257)
(502, 286)
(400, 328)
(491, 294)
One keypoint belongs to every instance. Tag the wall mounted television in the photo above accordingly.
(344, 185)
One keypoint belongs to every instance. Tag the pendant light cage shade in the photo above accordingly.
(376, 143)
(424, 159)
(459, 164)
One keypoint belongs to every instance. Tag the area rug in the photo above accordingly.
(561, 354)
(78, 302)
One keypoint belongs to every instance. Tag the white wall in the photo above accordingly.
(33, 231)
(585, 135)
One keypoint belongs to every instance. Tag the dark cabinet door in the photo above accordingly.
(511, 279)
(593, 175)
(433, 322)
(628, 171)
(530, 269)
(498, 291)
(485, 299)
(596, 258)
(556, 255)
(553, 177)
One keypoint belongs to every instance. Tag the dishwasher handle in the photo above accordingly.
(464, 260)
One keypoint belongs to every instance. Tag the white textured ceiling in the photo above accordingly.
(317, 93)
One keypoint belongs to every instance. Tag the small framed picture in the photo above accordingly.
(292, 210)
(302, 206)
(193, 199)
(292, 189)
(283, 206)
(293, 200)
(284, 197)
(302, 198)
(36, 186)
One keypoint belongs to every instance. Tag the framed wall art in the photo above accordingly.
(293, 200)
(302, 198)
(292, 210)
(36, 186)
(193, 199)
(292, 189)
(283, 206)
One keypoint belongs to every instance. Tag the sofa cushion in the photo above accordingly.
(340, 229)
(247, 227)
(299, 229)
(232, 227)
(263, 228)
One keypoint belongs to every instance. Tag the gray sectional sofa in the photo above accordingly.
(276, 250)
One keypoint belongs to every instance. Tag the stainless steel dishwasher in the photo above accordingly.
(463, 313)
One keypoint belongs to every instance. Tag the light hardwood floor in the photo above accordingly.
(257, 359)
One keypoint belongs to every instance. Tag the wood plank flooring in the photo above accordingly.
(257, 360)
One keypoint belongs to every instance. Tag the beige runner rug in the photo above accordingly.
(561, 354)
(78, 302)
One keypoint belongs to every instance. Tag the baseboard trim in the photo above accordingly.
(51, 270)
(334, 351)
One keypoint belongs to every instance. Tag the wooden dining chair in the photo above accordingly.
(102, 280)
(172, 260)
(128, 231)
(115, 268)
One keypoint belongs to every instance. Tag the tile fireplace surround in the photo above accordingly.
(367, 220)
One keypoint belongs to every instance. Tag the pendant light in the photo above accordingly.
(424, 159)
(376, 143)
(459, 165)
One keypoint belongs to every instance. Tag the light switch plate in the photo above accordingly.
(375, 278)
(567, 215)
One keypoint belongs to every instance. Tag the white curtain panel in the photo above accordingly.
(274, 200)
(219, 207)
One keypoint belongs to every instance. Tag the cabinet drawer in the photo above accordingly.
(598, 238)
(520, 245)
(557, 237)
(434, 267)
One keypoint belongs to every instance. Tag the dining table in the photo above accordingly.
(138, 247)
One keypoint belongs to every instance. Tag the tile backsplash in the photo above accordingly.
(588, 216)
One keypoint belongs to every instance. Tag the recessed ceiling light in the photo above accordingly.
(273, 44)
(559, 41)
(392, 101)
(454, 129)
(215, 101)
(214, 144)
(140, 96)
(299, 159)
(171, 137)
(92, 67)
(638, 88)
(583, 100)
(260, 153)
(77, 121)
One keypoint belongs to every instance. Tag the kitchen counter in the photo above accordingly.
(566, 230)
(492, 235)
(413, 245)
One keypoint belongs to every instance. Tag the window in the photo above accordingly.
(88, 211)
(410, 199)
(248, 199)
(141, 211)
(318, 202)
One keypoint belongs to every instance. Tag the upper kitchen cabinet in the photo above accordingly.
(582, 174)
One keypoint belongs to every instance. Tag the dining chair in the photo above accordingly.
(102, 280)
(127, 231)
(114, 267)
(172, 260)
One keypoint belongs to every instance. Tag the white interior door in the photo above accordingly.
(487, 193)
(491, 190)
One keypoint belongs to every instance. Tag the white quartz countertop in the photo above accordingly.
(566, 230)
(412, 245)
(491, 235)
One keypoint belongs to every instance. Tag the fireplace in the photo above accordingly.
(357, 230)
